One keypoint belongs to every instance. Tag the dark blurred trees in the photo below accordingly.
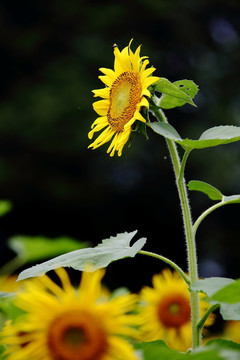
(50, 55)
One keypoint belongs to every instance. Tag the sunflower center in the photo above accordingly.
(76, 335)
(174, 310)
(125, 94)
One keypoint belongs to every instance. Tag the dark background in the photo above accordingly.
(50, 55)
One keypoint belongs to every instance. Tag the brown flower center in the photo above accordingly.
(76, 335)
(174, 310)
(125, 94)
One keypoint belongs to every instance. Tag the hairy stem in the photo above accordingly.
(201, 322)
(188, 227)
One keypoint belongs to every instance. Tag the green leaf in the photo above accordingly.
(210, 285)
(215, 136)
(186, 86)
(5, 207)
(209, 190)
(228, 349)
(34, 248)
(109, 250)
(212, 192)
(229, 311)
(222, 291)
(166, 87)
(158, 350)
(229, 294)
(218, 135)
(165, 130)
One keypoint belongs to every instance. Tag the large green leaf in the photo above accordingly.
(34, 248)
(222, 291)
(166, 87)
(109, 250)
(215, 136)
(228, 311)
(186, 86)
(227, 349)
(209, 190)
(229, 294)
(211, 285)
(215, 350)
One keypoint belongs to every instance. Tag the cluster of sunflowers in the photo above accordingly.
(88, 322)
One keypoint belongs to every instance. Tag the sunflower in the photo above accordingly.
(126, 92)
(165, 311)
(10, 284)
(232, 330)
(64, 323)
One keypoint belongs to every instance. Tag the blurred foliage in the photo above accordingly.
(51, 52)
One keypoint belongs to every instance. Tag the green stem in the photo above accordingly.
(189, 234)
(204, 214)
(168, 261)
(201, 322)
(183, 164)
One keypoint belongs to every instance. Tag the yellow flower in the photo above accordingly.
(126, 92)
(165, 311)
(64, 323)
(232, 331)
(10, 284)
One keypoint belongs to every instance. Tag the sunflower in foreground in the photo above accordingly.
(165, 311)
(126, 92)
(64, 323)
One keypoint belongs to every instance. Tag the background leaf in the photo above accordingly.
(212, 192)
(186, 86)
(109, 250)
(5, 207)
(215, 350)
(227, 349)
(33, 248)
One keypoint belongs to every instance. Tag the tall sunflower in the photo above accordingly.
(165, 311)
(126, 92)
(64, 323)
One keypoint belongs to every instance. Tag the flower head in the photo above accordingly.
(64, 323)
(126, 92)
(165, 311)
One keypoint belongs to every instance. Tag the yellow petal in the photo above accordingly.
(149, 81)
(104, 93)
(144, 102)
(101, 107)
